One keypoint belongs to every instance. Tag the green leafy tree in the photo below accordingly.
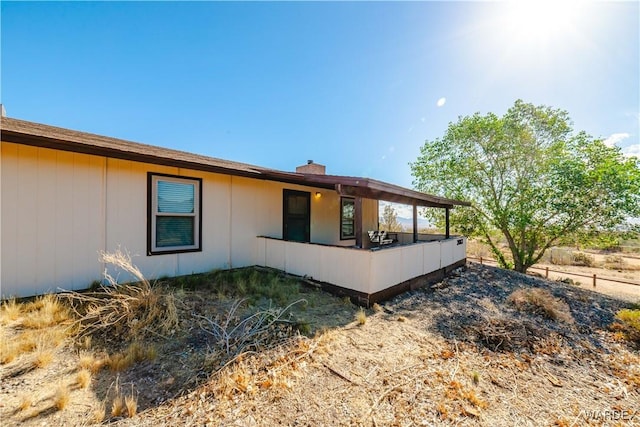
(389, 219)
(529, 176)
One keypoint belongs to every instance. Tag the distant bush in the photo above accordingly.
(614, 262)
(583, 260)
(628, 322)
(560, 256)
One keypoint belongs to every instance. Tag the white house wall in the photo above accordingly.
(61, 209)
(52, 219)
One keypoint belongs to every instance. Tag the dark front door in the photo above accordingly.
(296, 221)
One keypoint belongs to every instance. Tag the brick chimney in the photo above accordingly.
(311, 167)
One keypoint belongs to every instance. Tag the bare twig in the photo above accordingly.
(234, 335)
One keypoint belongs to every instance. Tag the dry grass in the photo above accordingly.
(10, 311)
(62, 397)
(90, 362)
(45, 311)
(24, 402)
(86, 360)
(119, 362)
(9, 350)
(126, 311)
(398, 370)
(540, 301)
(44, 320)
(83, 378)
(131, 402)
(117, 407)
(98, 413)
(141, 351)
(43, 357)
(135, 353)
(471, 397)
(361, 317)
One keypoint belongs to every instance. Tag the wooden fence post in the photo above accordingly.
(594, 280)
(546, 272)
(480, 260)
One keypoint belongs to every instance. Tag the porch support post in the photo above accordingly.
(446, 221)
(415, 223)
(358, 220)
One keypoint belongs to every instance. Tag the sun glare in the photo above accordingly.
(541, 21)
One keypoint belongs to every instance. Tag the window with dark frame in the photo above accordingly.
(174, 214)
(347, 218)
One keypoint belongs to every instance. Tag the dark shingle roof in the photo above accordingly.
(36, 134)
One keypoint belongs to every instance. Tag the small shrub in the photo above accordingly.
(361, 317)
(124, 310)
(629, 324)
(614, 262)
(540, 301)
(560, 256)
(583, 260)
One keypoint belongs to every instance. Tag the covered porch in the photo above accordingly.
(365, 272)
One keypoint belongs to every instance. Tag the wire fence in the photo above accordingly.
(594, 277)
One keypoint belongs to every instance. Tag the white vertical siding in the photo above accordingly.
(8, 217)
(367, 271)
(51, 218)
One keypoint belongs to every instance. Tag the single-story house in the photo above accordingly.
(66, 196)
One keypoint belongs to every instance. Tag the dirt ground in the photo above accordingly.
(454, 353)
(630, 272)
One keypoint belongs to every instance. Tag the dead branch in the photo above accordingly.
(234, 336)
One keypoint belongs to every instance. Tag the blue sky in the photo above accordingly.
(356, 86)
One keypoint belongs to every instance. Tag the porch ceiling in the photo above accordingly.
(365, 187)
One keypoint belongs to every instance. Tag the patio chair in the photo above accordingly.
(379, 237)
